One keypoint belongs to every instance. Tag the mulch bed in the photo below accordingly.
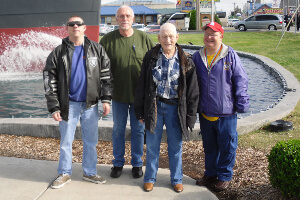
(250, 181)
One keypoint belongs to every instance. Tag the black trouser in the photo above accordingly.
(288, 26)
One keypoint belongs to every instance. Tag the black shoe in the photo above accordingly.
(116, 172)
(206, 180)
(137, 172)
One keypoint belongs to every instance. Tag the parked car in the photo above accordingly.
(262, 21)
(140, 27)
(231, 22)
(283, 22)
(103, 29)
(153, 28)
(116, 27)
(112, 27)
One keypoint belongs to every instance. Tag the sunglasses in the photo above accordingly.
(78, 23)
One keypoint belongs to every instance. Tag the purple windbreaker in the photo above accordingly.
(223, 88)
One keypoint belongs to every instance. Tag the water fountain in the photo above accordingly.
(22, 93)
(23, 59)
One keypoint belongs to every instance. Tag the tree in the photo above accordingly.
(192, 16)
(217, 19)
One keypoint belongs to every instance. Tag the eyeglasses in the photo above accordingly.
(73, 23)
(210, 35)
(123, 16)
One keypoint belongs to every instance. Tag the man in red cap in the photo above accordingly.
(223, 86)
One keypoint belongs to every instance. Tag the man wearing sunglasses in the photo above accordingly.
(76, 76)
(126, 48)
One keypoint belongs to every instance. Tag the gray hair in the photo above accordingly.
(125, 6)
(170, 26)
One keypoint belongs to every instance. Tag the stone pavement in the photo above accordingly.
(26, 179)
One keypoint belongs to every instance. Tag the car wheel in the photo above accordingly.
(272, 27)
(242, 28)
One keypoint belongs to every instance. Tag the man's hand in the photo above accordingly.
(56, 116)
(106, 108)
(142, 121)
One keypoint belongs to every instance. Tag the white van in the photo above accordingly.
(176, 18)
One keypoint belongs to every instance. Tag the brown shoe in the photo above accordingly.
(221, 185)
(178, 187)
(148, 187)
(206, 180)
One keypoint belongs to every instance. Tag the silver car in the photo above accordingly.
(231, 22)
(263, 21)
(140, 27)
(103, 29)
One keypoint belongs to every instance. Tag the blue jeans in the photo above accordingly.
(220, 140)
(166, 115)
(120, 115)
(89, 130)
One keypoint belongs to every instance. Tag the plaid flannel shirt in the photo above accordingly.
(165, 75)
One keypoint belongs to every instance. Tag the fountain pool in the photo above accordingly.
(21, 84)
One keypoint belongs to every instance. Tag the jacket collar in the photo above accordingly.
(181, 54)
(224, 52)
(70, 44)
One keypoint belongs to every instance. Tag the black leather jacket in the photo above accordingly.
(188, 92)
(57, 76)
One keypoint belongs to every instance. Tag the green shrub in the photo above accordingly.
(192, 16)
(284, 167)
(217, 19)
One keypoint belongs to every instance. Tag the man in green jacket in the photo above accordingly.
(126, 48)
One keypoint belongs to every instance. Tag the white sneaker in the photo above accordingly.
(60, 181)
(95, 179)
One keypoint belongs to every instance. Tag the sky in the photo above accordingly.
(223, 5)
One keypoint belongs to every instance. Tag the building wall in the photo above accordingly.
(150, 5)
(261, 10)
(111, 20)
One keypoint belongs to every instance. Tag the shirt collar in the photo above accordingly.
(174, 57)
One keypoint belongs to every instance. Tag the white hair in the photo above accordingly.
(127, 7)
(170, 26)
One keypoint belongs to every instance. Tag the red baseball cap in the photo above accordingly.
(214, 26)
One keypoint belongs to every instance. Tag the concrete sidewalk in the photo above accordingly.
(26, 179)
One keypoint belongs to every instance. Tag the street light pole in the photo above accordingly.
(296, 17)
(212, 10)
(198, 20)
(283, 10)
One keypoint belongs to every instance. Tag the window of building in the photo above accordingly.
(155, 19)
(108, 20)
(148, 19)
(137, 19)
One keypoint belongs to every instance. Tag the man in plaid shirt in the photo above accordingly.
(167, 94)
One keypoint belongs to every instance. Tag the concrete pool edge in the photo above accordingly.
(47, 127)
